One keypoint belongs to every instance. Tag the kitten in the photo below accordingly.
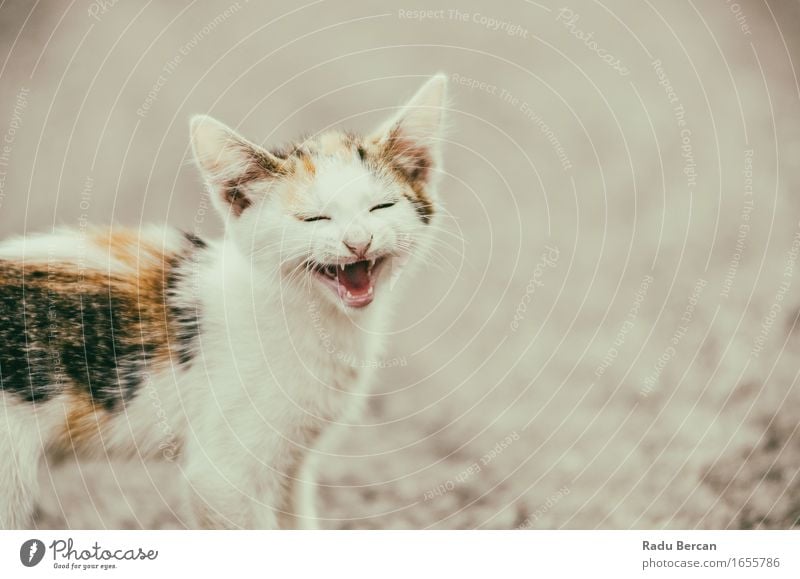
(237, 353)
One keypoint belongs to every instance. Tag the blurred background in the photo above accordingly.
(610, 340)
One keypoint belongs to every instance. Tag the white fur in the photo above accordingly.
(276, 348)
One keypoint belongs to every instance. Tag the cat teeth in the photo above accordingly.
(342, 266)
(369, 291)
(350, 295)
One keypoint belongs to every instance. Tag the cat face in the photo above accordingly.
(337, 214)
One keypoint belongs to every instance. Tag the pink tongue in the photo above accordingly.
(355, 277)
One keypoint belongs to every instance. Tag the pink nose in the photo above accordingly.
(358, 249)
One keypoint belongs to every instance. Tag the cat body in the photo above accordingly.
(234, 356)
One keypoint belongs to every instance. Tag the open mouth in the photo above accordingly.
(353, 282)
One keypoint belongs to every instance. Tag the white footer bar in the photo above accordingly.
(401, 554)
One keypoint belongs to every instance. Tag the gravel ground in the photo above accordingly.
(610, 337)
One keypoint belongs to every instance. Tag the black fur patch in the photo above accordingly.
(185, 316)
(196, 241)
(58, 327)
(234, 197)
(423, 207)
(53, 337)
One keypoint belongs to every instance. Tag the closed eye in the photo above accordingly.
(382, 206)
(316, 218)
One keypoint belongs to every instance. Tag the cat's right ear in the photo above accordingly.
(412, 139)
(231, 165)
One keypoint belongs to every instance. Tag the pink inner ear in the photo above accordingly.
(410, 156)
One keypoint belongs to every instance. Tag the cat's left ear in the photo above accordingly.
(231, 165)
(412, 139)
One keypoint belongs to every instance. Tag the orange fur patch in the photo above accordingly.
(83, 423)
(308, 165)
(127, 246)
(144, 291)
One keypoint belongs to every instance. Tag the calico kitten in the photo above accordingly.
(235, 354)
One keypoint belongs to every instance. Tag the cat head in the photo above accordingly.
(338, 214)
